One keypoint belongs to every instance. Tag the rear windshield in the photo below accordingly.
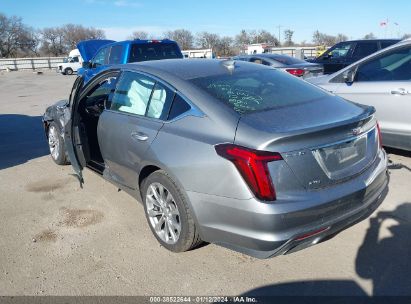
(248, 92)
(287, 60)
(154, 51)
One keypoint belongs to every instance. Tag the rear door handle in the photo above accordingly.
(139, 136)
(399, 91)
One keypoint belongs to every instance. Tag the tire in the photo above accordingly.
(173, 213)
(68, 71)
(56, 144)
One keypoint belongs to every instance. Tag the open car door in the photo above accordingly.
(71, 134)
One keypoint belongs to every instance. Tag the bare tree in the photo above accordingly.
(324, 39)
(369, 36)
(184, 38)
(53, 41)
(248, 37)
(225, 46)
(15, 37)
(340, 38)
(263, 36)
(288, 37)
(60, 40)
(139, 35)
(207, 40)
(74, 33)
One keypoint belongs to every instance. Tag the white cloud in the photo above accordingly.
(118, 3)
(123, 33)
(126, 3)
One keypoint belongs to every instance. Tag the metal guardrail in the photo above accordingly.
(35, 63)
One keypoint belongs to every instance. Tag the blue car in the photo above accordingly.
(100, 54)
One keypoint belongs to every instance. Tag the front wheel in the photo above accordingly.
(168, 214)
(56, 144)
(68, 71)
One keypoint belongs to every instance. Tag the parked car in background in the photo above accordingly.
(226, 152)
(71, 64)
(344, 53)
(382, 80)
(100, 54)
(294, 66)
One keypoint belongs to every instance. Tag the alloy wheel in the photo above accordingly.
(163, 213)
(54, 142)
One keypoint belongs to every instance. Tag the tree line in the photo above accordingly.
(20, 40)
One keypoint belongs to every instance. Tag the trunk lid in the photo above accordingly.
(88, 48)
(323, 142)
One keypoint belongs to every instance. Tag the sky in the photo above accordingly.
(119, 18)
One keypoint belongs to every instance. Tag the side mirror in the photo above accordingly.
(348, 76)
(86, 64)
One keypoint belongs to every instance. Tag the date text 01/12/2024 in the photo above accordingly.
(202, 299)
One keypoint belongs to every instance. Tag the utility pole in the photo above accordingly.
(279, 33)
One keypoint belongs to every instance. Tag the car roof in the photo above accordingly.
(189, 69)
(141, 41)
(372, 40)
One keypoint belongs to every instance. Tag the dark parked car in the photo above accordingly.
(100, 54)
(226, 152)
(294, 66)
(345, 53)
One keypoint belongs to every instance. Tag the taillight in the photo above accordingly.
(296, 72)
(379, 135)
(252, 165)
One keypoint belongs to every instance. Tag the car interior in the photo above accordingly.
(90, 109)
(135, 95)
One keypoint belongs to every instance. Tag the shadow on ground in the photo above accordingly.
(385, 261)
(22, 139)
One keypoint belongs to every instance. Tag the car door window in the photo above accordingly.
(160, 101)
(132, 93)
(178, 107)
(115, 54)
(97, 97)
(364, 49)
(100, 58)
(390, 66)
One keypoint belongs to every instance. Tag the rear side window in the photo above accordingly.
(132, 93)
(364, 49)
(178, 107)
(154, 51)
(115, 54)
(248, 92)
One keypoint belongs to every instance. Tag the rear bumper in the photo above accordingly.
(265, 230)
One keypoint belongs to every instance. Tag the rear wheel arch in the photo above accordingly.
(150, 169)
(145, 172)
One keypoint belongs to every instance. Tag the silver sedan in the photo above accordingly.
(382, 80)
(226, 152)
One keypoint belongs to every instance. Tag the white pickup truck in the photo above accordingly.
(71, 64)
